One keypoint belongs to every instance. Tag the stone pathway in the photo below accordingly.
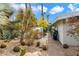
(55, 49)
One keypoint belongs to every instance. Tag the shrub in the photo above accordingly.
(23, 51)
(38, 44)
(44, 47)
(77, 54)
(28, 44)
(5, 40)
(65, 46)
(2, 46)
(16, 49)
(23, 43)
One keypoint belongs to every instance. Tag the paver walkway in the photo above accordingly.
(55, 49)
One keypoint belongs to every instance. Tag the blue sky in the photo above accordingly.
(53, 9)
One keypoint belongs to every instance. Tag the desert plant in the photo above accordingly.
(44, 47)
(23, 43)
(38, 44)
(29, 43)
(5, 13)
(3, 46)
(65, 46)
(6, 40)
(16, 49)
(43, 23)
(22, 51)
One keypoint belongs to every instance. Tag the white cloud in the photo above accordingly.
(56, 9)
(38, 8)
(34, 8)
(77, 9)
(44, 8)
(22, 5)
(15, 6)
(18, 6)
(76, 3)
(71, 7)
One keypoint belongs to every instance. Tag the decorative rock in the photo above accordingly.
(37, 53)
(43, 41)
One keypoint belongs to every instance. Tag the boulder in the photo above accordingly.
(37, 53)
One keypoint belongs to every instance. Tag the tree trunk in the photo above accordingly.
(22, 35)
(23, 25)
(1, 33)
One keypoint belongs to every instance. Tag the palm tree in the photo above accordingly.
(42, 14)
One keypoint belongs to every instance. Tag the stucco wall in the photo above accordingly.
(60, 32)
(67, 39)
(63, 37)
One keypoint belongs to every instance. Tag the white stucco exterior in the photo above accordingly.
(63, 37)
(68, 39)
(62, 23)
(60, 32)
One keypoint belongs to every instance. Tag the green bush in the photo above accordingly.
(7, 35)
(10, 35)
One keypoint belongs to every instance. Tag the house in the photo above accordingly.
(68, 28)
(38, 28)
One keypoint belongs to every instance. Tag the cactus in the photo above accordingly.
(16, 49)
(65, 46)
(23, 43)
(22, 51)
(44, 47)
(2, 46)
(38, 44)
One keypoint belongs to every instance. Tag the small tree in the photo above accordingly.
(27, 21)
(42, 22)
